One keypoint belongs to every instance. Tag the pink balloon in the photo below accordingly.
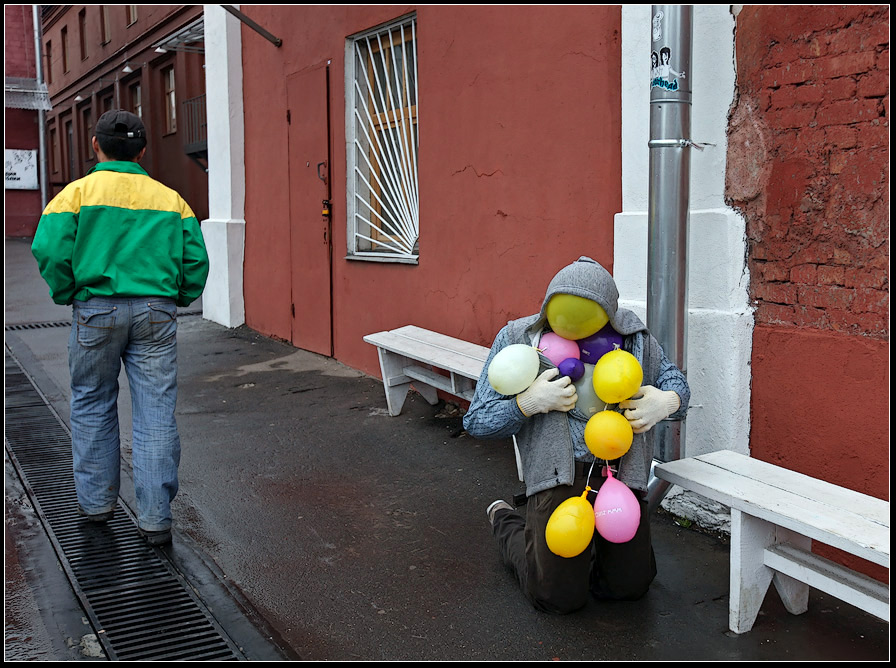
(617, 512)
(597, 345)
(557, 349)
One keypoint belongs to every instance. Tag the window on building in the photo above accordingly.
(170, 100)
(136, 96)
(82, 32)
(86, 134)
(64, 37)
(70, 150)
(54, 151)
(131, 14)
(106, 103)
(48, 75)
(383, 202)
(104, 25)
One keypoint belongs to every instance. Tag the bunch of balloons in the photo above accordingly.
(616, 515)
(582, 334)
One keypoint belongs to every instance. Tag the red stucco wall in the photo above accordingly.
(809, 168)
(519, 164)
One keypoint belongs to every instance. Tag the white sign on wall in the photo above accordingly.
(21, 169)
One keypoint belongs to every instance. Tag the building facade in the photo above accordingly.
(147, 59)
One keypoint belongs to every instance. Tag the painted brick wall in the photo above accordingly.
(19, 41)
(808, 164)
(808, 167)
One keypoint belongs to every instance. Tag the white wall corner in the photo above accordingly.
(222, 301)
(224, 231)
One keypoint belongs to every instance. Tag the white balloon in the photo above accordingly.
(587, 400)
(513, 368)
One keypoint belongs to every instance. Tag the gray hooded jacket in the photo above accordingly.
(546, 441)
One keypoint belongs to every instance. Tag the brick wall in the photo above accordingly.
(809, 164)
(19, 41)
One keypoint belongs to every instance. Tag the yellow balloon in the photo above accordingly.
(608, 435)
(574, 317)
(571, 527)
(617, 376)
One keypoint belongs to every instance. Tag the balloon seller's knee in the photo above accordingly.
(564, 610)
(559, 606)
(632, 590)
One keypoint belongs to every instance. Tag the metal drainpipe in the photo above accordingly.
(668, 202)
(41, 113)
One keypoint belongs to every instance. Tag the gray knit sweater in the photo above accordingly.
(550, 443)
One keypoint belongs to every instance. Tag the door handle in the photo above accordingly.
(324, 177)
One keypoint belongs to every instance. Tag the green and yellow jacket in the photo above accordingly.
(117, 232)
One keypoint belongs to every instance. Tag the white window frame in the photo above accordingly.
(170, 91)
(396, 238)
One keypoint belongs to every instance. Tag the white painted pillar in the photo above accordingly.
(225, 229)
(720, 322)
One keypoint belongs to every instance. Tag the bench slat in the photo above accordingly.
(783, 504)
(855, 588)
(477, 352)
(874, 509)
(438, 381)
(428, 352)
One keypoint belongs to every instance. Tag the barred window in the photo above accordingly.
(383, 197)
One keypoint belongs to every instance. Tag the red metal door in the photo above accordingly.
(310, 233)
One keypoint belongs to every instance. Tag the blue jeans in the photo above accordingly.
(142, 332)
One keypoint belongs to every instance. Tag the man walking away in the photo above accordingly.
(125, 251)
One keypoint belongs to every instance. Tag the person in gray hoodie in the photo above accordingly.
(548, 420)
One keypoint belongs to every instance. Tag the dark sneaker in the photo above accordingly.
(156, 537)
(495, 507)
(96, 517)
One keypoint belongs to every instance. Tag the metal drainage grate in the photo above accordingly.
(141, 608)
(36, 325)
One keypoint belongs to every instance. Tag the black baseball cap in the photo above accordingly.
(121, 123)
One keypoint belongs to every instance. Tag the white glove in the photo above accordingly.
(545, 395)
(648, 406)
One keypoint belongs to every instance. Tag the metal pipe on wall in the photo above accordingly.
(43, 170)
(668, 204)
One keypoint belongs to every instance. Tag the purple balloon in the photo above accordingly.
(594, 347)
(572, 367)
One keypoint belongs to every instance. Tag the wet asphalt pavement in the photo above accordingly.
(317, 527)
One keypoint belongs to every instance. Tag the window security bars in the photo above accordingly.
(385, 211)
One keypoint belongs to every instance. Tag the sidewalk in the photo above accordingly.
(324, 529)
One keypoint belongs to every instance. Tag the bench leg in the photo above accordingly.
(428, 392)
(750, 577)
(395, 383)
(794, 594)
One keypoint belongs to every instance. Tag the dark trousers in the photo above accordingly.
(559, 585)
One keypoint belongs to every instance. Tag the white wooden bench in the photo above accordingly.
(775, 515)
(412, 355)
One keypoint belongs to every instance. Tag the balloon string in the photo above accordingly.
(588, 477)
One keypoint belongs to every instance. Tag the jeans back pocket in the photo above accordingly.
(162, 320)
(95, 325)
